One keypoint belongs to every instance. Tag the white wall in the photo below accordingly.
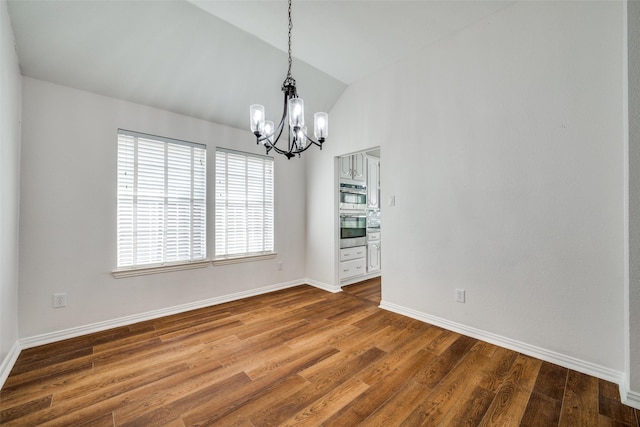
(633, 39)
(503, 145)
(10, 98)
(68, 213)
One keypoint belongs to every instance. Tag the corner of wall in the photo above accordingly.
(10, 137)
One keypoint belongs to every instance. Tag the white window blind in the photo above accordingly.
(161, 200)
(244, 204)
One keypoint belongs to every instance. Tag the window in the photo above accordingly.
(161, 200)
(244, 204)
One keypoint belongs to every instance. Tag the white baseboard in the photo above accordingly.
(9, 361)
(629, 397)
(361, 278)
(521, 347)
(51, 337)
(324, 286)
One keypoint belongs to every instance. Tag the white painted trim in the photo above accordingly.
(361, 278)
(631, 398)
(324, 286)
(9, 361)
(521, 347)
(244, 258)
(51, 337)
(141, 271)
(624, 388)
(627, 396)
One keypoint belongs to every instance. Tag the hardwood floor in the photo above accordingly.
(299, 356)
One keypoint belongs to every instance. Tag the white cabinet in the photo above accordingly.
(353, 262)
(352, 268)
(373, 236)
(373, 183)
(345, 167)
(353, 167)
(347, 254)
(373, 257)
(359, 164)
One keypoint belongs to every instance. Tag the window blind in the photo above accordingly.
(161, 200)
(244, 204)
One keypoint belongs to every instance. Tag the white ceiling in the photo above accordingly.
(211, 59)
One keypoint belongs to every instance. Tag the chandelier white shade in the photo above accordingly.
(298, 140)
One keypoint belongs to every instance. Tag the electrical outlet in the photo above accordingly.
(459, 295)
(59, 300)
(280, 265)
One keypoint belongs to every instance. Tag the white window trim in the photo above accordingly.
(154, 269)
(243, 258)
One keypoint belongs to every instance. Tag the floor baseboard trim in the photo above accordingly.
(324, 286)
(51, 337)
(521, 347)
(9, 361)
(629, 397)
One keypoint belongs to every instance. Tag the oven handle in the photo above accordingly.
(363, 192)
(352, 216)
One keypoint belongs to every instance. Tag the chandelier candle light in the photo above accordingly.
(298, 140)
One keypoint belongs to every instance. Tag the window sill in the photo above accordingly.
(141, 271)
(244, 258)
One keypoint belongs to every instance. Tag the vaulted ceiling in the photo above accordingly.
(211, 59)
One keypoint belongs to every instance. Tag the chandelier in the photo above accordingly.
(298, 140)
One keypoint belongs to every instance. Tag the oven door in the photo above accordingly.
(352, 200)
(352, 226)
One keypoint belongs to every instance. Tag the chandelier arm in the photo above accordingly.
(279, 128)
(313, 141)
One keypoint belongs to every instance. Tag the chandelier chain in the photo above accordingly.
(290, 28)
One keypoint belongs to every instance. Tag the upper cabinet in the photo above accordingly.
(373, 183)
(352, 167)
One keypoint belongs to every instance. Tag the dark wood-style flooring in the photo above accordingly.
(299, 356)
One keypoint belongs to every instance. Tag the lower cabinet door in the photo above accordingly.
(352, 268)
(373, 257)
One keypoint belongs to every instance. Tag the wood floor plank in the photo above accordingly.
(105, 420)
(398, 356)
(580, 405)
(318, 411)
(323, 384)
(380, 391)
(510, 402)
(442, 342)
(234, 400)
(470, 409)
(15, 412)
(174, 410)
(444, 395)
(617, 411)
(431, 376)
(395, 410)
(242, 411)
(541, 411)
(297, 356)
